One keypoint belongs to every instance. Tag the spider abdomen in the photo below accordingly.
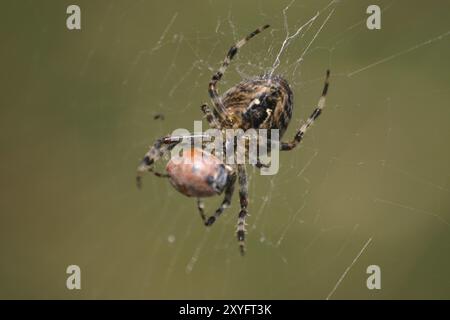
(197, 174)
(260, 103)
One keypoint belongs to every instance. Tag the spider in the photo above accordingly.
(263, 102)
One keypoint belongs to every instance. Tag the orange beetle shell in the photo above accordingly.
(197, 174)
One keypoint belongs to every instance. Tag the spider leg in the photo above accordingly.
(201, 209)
(243, 198)
(159, 175)
(161, 147)
(220, 109)
(260, 165)
(210, 117)
(226, 200)
(286, 146)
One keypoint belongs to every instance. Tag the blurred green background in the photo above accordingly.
(77, 113)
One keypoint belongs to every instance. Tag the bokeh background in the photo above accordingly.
(77, 112)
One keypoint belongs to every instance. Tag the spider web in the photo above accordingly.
(369, 185)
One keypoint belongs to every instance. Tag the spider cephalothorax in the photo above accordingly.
(261, 103)
(264, 102)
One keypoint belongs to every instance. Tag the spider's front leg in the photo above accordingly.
(158, 150)
(286, 146)
(220, 109)
(243, 199)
